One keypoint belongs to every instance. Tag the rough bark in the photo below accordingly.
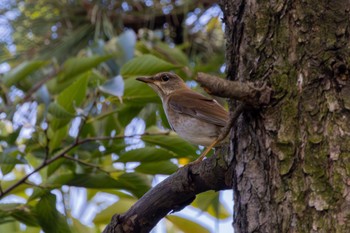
(291, 160)
(252, 94)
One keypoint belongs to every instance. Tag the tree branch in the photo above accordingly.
(85, 163)
(61, 154)
(171, 195)
(247, 92)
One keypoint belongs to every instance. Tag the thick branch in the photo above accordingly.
(246, 92)
(171, 195)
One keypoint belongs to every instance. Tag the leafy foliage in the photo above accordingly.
(73, 117)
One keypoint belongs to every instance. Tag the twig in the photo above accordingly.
(45, 162)
(85, 163)
(61, 153)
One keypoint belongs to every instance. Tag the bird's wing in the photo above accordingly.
(196, 105)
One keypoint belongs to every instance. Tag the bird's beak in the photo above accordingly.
(146, 80)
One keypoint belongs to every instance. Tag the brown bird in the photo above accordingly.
(194, 117)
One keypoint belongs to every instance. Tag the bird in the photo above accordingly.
(194, 117)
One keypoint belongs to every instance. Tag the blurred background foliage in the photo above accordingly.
(72, 114)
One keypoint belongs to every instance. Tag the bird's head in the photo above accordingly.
(164, 83)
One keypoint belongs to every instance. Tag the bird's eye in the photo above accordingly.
(165, 78)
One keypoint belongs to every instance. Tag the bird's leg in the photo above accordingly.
(206, 151)
(234, 116)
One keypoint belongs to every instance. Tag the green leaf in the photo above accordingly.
(78, 65)
(7, 135)
(173, 143)
(66, 102)
(8, 160)
(210, 202)
(176, 55)
(50, 220)
(126, 113)
(139, 93)
(20, 212)
(78, 227)
(146, 154)
(146, 65)
(59, 112)
(185, 225)
(37, 193)
(74, 95)
(56, 135)
(22, 71)
(154, 168)
(136, 183)
(25, 215)
(132, 182)
(119, 207)
(94, 181)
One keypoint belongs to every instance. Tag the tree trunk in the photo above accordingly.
(292, 158)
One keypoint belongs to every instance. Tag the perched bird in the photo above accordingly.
(194, 117)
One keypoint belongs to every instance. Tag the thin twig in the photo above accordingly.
(85, 163)
(41, 166)
(61, 153)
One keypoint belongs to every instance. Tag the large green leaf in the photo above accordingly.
(159, 167)
(131, 182)
(136, 183)
(78, 227)
(173, 55)
(59, 112)
(78, 65)
(186, 225)
(74, 95)
(126, 113)
(25, 215)
(121, 206)
(146, 154)
(22, 71)
(56, 136)
(173, 143)
(210, 202)
(66, 102)
(8, 160)
(50, 220)
(20, 212)
(146, 65)
(139, 93)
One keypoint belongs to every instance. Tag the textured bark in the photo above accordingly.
(252, 94)
(291, 159)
